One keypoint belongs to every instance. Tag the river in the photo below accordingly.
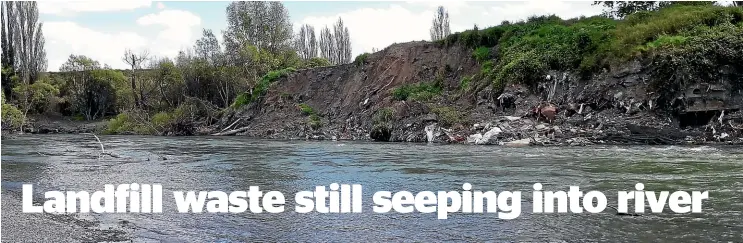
(71, 162)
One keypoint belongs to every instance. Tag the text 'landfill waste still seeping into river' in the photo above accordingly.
(347, 198)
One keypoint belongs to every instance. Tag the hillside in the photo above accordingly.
(604, 80)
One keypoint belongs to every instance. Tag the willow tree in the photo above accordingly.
(440, 24)
(23, 47)
(265, 25)
(327, 45)
(306, 42)
(342, 40)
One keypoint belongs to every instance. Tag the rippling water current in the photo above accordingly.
(70, 162)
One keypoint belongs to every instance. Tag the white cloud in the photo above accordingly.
(170, 18)
(380, 27)
(175, 30)
(179, 30)
(74, 7)
(160, 5)
(65, 38)
(377, 27)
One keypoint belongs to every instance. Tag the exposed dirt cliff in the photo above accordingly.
(356, 101)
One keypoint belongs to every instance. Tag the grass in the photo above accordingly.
(306, 109)
(417, 92)
(261, 88)
(314, 121)
(448, 116)
(481, 54)
(383, 116)
(528, 49)
(464, 84)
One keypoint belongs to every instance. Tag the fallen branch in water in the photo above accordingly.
(103, 150)
(231, 132)
(230, 126)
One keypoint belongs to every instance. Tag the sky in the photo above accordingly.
(104, 29)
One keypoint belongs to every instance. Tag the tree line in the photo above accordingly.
(259, 38)
(621, 9)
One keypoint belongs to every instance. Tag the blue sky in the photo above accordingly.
(104, 29)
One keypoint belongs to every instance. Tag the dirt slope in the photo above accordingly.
(613, 107)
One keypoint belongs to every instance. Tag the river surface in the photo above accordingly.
(71, 162)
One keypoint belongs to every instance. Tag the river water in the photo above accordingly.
(71, 162)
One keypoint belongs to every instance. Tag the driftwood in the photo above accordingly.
(231, 132)
(230, 126)
(103, 151)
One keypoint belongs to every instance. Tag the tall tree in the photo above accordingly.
(8, 58)
(29, 53)
(440, 24)
(23, 33)
(342, 40)
(207, 47)
(279, 27)
(135, 61)
(327, 45)
(306, 43)
(265, 25)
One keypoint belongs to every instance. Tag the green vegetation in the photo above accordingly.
(679, 43)
(382, 124)
(12, 118)
(417, 92)
(383, 116)
(481, 54)
(464, 84)
(163, 95)
(261, 88)
(448, 116)
(528, 49)
(306, 109)
(360, 59)
(179, 121)
(313, 118)
(317, 62)
(699, 57)
(314, 121)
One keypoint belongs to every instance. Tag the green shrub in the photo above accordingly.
(448, 116)
(317, 62)
(481, 54)
(464, 84)
(12, 118)
(383, 115)
(306, 109)
(261, 88)
(360, 59)
(527, 68)
(120, 124)
(241, 100)
(162, 120)
(418, 92)
(663, 41)
(486, 68)
(314, 121)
